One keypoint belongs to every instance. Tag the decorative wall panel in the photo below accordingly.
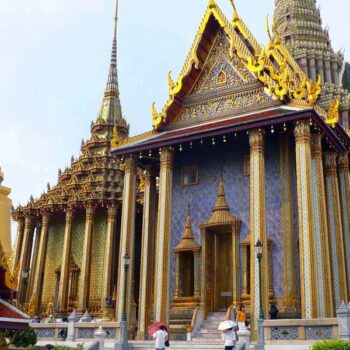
(97, 255)
(53, 257)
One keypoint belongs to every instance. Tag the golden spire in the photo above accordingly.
(221, 212)
(111, 108)
(187, 239)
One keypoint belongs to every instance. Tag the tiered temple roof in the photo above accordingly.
(94, 176)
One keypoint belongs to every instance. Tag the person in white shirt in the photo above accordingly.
(229, 337)
(161, 336)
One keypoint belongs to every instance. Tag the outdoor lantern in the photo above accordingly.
(25, 273)
(126, 258)
(258, 247)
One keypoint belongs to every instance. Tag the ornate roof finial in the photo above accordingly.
(235, 13)
(111, 110)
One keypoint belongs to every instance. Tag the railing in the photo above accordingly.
(300, 331)
(83, 331)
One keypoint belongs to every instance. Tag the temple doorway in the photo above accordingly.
(220, 257)
(222, 270)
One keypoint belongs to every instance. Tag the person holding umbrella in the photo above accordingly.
(158, 331)
(228, 334)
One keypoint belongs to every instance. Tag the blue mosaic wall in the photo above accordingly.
(202, 197)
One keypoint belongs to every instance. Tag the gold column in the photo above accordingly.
(34, 259)
(26, 249)
(321, 254)
(39, 273)
(290, 293)
(344, 188)
(258, 222)
(85, 265)
(335, 229)
(108, 263)
(197, 272)
(146, 253)
(236, 295)
(127, 238)
(204, 250)
(19, 240)
(163, 241)
(244, 272)
(64, 279)
(303, 166)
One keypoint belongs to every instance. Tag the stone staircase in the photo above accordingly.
(209, 328)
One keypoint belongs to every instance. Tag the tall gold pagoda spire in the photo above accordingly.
(111, 110)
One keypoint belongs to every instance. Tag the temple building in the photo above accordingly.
(250, 146)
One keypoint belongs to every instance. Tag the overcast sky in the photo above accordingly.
(54, 60)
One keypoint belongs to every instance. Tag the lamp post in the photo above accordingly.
(126, 259)
(260, 345)
(25, 274)
(123, 342)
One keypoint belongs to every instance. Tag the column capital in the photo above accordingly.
(257, 139)
(130, 164)
(166, 156)
(302, 131)
(90, 211)
(69, 214)
(45, 218)
(112, 212)
(316, 144)
(343, 161)
(29, 221)
(330, 163)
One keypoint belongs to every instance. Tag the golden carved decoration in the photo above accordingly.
(275, 67)
(333, 113)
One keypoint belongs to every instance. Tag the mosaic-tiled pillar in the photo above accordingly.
(258, 223)
(33, 259)
(19, 240)
(64, 277)
(39, 273)
(29, 227)
(148, 226)
(163, 238)
(335, 229)
(127, 238)
(197, 272)
(86, 262)
(290, 291)
(344, 189)
(236, 278)
(320, 252)
(108, 263)
(306, 228)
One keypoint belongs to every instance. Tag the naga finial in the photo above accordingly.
(235, 13)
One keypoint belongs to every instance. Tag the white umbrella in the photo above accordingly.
(225, 325)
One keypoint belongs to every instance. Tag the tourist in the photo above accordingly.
(273, 312)
(161, 337)
(229, 337)
(241, 317)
